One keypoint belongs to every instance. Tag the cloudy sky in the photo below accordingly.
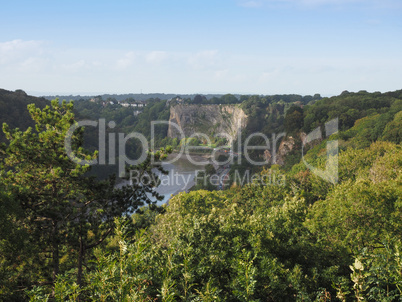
(201, 46)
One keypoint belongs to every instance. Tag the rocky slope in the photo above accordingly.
(209, 120)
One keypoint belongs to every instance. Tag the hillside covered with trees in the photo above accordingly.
(13, 109)
(66, 236)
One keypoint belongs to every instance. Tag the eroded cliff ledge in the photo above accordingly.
(211, 120)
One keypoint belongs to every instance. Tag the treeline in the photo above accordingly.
(276, 114)
(363, 118)
(237, 99)
(130, 96)
(187, 98)
(13, 109)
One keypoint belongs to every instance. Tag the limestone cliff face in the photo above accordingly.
(209, 120)
(286, 145)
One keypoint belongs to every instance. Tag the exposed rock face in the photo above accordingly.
(286, 145)
(209, 120)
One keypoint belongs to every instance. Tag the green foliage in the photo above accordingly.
(303, 240)
(13, 245)
(56, 213)
(377, 274)
(264, 243)
(294, 120)
(13, 109)
(348, 107)
(44, 181)
(393, 130)
(366, 130)
(367, 202)
(125, 122)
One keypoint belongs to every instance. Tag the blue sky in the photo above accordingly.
(192, 46)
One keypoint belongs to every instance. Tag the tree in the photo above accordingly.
(13, 245)
(294, 119)
(365, 207)
(61, 207)
(229, 99)
(393, 130)
(42, 178)
(198, 99)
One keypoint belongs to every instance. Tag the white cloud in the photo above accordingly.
(17, 51)
(156, 57)
(75, 67)
(221, 74)
(32, 66)
(126, 61)
(203, 59)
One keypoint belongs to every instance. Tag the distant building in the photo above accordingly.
(126, 104)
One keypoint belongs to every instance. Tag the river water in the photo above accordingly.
(181, 175)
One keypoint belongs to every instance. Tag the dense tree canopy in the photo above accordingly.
(69, 237)
(50, 201)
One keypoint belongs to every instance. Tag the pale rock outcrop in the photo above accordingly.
(209, 120)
